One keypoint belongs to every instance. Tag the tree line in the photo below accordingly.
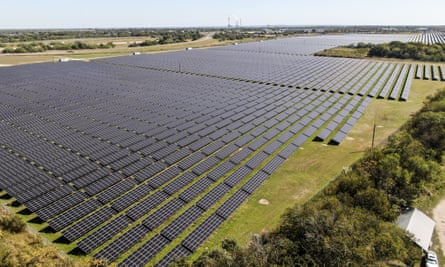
(401, 50)
(29, 36)
(233, 35)
(35, 47)
(351, 222)
(169, 37)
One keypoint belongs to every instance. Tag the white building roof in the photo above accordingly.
(419, 225)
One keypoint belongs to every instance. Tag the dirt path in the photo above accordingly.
(439, 217)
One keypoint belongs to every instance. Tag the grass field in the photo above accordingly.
(310, 169)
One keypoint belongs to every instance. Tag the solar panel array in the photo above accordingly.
(129, 158)
(307, 45)
(318, 73)
(429, 72)
(429, 38)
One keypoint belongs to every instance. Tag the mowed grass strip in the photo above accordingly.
(311, 168)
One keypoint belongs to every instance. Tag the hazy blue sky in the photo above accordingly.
(165, 13)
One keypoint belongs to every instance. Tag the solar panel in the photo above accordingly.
(194, 190)
(241, 155)
(232, 204)
(118, 189)
(146, 252)
(60, 206)
(103, 234)
(213, 196)
(131, 197)
(200, 234)
(220, 171)
(205, 165)
(87, 224)
(255, 182)
(164, 177)
(161, 215)
(182, 222)
(178, 252)
(73, 214)
(146, 205)
(123, 243)
(256, 160)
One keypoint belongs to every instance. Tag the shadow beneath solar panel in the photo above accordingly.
(333, 143)
(62, 240)
(5, 196)
(48, 230)
(25, 211)
(36, 220)
(15, 204)
(76, 252)
(317, 139)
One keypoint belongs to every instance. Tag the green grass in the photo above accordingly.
(310, 169)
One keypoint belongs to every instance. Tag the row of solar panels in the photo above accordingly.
(429, 72)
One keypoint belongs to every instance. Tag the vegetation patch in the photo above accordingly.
(396, 49)
(42, 47)
(19, 247)
(342, 51)
(169, 38)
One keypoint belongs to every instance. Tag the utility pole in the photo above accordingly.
(373, 133)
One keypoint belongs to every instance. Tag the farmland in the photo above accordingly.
(139, 159)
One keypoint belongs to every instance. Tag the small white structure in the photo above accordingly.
(136, 53)
(189, 48)
(64, 59)
(419, 225)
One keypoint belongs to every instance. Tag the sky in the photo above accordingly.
(27, 14)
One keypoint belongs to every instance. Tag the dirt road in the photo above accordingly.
(439, 217)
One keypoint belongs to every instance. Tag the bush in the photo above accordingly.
(11, 223)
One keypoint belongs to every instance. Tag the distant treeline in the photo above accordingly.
(29, 36)
(417, 51)
(233, 35)
(169, 37)
(351, 223)
(35, 47)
